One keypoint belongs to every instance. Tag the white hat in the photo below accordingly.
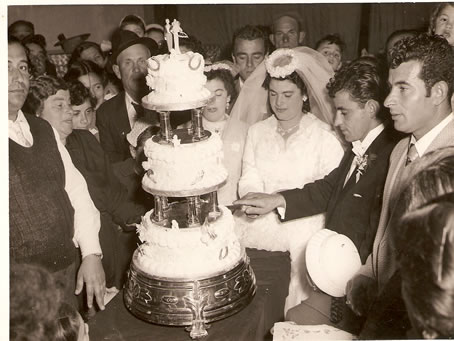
(331, 260)
(138, 128)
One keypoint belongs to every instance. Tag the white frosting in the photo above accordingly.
(195, 252)
(182, 167)
(176, 78)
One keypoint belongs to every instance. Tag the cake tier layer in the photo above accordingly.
(177, 80)
(148, 103)
(188, 169)
(193, 252)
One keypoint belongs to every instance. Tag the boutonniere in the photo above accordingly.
(363, 163)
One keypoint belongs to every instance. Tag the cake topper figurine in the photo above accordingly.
(172, 35)
(168, 35)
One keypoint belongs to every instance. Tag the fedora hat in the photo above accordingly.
(69, 44)
(122, 39)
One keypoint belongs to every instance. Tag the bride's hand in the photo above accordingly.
(255, 204)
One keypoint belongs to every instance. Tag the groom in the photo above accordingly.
(351, 194)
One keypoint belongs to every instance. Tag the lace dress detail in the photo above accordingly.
(272, 164)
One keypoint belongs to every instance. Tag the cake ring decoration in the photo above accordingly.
(199, 62)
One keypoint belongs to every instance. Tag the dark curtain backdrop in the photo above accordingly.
(360, 25)
(216, 23)
(386, 18)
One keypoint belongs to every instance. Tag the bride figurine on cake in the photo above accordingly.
(294, 146)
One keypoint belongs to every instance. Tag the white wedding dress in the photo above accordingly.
(272, 164)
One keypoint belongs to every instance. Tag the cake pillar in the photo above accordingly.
(197, 124)
(166, 128)
(165, 207)
(214, 210)
(161, 209)
(194, 211)
(158, 215)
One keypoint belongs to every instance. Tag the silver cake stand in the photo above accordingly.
(191, 302)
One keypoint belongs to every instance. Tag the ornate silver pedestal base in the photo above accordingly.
(191, 302)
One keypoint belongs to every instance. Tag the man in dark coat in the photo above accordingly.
(50, 209)
(116, 116)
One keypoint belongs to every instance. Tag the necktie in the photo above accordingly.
(139, 109)
(412, 154)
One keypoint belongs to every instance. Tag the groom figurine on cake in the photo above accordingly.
(351, 194)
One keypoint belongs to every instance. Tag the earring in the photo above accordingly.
(227, 106)
(304, 98)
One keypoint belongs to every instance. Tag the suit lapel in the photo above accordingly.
(374, 149)
(121, 116)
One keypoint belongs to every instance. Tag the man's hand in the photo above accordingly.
(91, 273)
(361, 291)
(255, 204)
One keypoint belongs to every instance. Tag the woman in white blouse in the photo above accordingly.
(287, 150)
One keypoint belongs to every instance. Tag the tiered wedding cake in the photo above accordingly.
(191, 268)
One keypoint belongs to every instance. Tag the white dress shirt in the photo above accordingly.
(424, 142)
(360, 147)
(86, 216)
(132, 114)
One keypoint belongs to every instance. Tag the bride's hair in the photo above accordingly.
(295, 79)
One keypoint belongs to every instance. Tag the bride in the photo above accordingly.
(292, 147)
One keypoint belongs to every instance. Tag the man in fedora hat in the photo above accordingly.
(117, 116)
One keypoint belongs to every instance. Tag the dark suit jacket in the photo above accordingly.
(113, 125)
(353, 210)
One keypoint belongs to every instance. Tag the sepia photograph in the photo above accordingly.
(229, 171)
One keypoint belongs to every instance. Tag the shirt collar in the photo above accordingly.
(424, 142)
(128, 100)
(360, 147)
(20, 118)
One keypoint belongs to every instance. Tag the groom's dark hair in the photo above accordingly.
(364, 79)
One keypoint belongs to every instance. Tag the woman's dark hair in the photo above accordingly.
(79, 94)
(225, 76)
(34, 301)
(76, 55)
(426, 246)
(423, 237)
(192, 44)
(295, 79)
(41, 88)
(434, 176)
(82, 68)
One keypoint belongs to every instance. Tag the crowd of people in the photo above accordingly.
(312, 141)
